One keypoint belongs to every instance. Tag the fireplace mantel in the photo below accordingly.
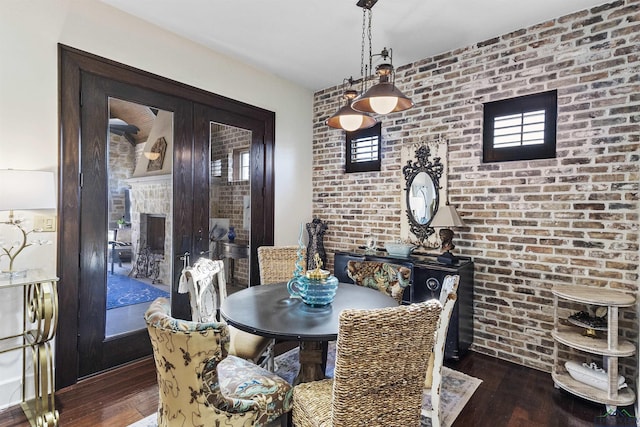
(150, 180)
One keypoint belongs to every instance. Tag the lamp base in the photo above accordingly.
(447, 258)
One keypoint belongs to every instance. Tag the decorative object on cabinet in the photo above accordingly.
(40, 319)
(316, 230)
(23, 190)
(399, 249)
(427, 277)
(610, 347)
(422, 197)
(447, 217)
(370, 244)
(231, 235)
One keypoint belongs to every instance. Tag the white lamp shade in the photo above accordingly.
(383, 104)
(382, 98)
(349, 119)
(446, 217)
(26, 190)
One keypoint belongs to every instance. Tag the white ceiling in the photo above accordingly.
(317, 43)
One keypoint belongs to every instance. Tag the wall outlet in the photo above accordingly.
(44, 223)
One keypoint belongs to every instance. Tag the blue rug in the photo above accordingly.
(123, 290)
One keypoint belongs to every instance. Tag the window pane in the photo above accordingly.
(364, 149)
(519, 129)
(244, 166)
(216, 168)
(534, 117)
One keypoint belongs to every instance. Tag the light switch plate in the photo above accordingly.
(44, 223)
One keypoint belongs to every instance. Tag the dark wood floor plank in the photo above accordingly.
(509, 396)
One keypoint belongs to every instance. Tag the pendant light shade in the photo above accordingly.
(384, 97)
(347, 118)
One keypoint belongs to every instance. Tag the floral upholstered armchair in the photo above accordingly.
(388, 278)
(200, 384)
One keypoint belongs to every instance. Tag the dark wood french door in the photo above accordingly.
(97, 351)
(86, 84)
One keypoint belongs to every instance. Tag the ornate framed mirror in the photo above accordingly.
(422, 179)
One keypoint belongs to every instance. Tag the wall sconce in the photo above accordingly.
(23, 190)
(151, 155)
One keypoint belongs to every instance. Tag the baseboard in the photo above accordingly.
(10, 391)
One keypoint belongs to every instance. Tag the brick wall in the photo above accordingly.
(531, 224)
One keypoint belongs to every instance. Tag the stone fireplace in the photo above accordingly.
(152, 222)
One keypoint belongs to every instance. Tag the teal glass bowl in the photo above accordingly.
(314, 292)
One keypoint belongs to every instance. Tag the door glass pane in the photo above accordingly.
(139, 219)
(230, 201)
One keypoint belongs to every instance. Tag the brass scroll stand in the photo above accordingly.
(40, 320)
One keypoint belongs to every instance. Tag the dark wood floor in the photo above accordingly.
(510, 395)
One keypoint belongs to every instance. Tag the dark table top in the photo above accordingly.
(269, 311)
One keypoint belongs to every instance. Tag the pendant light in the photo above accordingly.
(384, 97)
(346, 117)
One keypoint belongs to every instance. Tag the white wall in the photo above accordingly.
(29, 33)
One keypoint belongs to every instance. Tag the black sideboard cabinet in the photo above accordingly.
(427, 275)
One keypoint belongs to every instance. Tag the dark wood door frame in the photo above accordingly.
(188, 167)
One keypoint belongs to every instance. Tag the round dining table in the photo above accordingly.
(269, 311)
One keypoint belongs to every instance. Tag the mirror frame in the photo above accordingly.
(434, 170)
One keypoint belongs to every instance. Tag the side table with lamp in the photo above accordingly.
(31, 190)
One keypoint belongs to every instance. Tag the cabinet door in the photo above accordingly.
(427, 283)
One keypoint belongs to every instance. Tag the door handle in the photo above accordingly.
(185, 259)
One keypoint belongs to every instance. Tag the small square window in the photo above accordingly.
(363, 150)
(216, 168)
(244, 166)
(522, 128)
(239, 161)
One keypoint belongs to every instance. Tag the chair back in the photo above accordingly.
(199, 281)
(381, 358)
(278, 263)
(433, 378)
(182, 350)
(388, 278)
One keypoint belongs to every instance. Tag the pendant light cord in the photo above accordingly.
(366, 35)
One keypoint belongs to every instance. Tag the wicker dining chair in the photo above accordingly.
(388, 278)
(381, 360)
(199, 281)
(278, 263)
(199, 383)
(433, 378)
